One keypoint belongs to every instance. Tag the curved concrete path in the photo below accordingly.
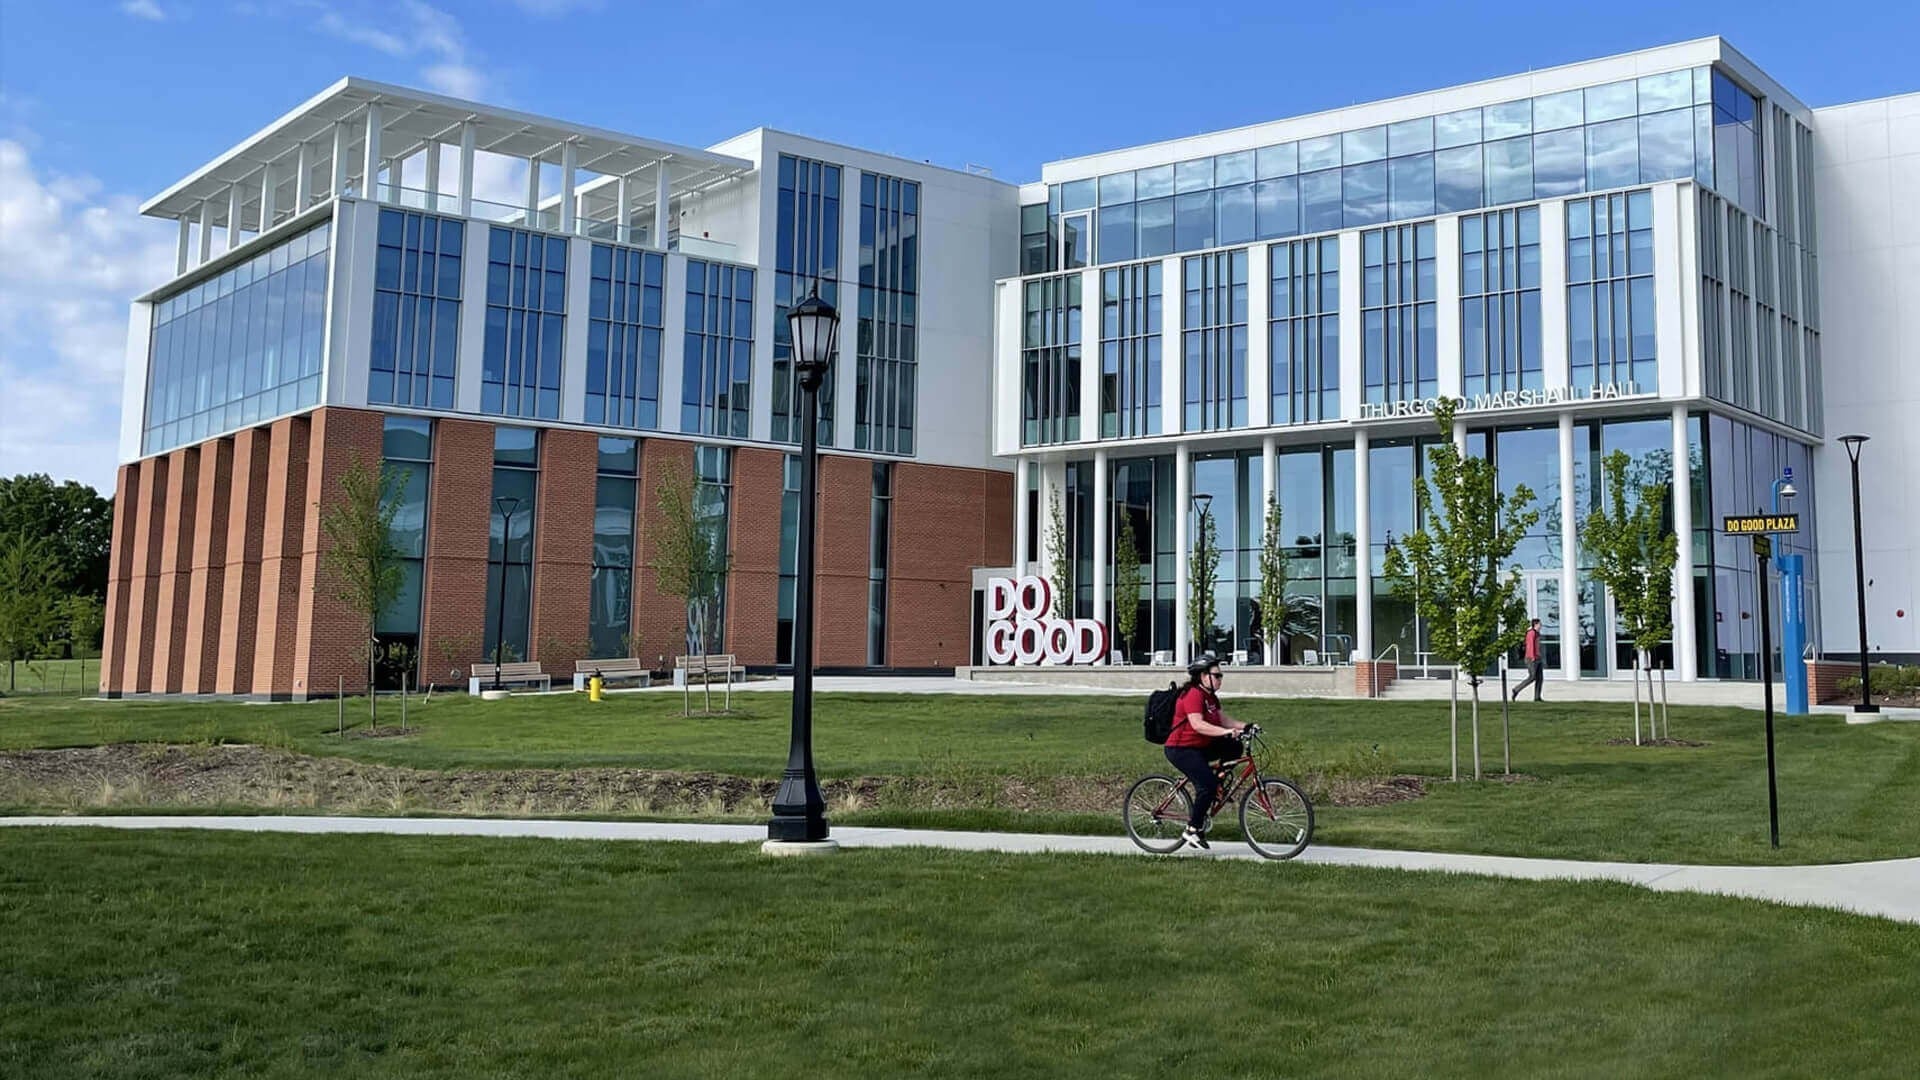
(1889, 888)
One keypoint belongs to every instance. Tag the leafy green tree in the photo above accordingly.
(71, 519)
(1060, 557)
(361, 560)
(1275, 569)
(1126, 583)
(689, 556)
(30, 606)
(1634, 551)
(1449, 567)
(85, 617)
(1203, 577)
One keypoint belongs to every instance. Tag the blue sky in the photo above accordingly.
(104, 103)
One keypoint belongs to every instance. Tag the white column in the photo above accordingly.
(569, 163)
(1362, 529)
(206, 230)
(433, 175)
(267, 208)
(1353, 390)
(1182, 541)
(1446, 322)
(662, 210)
(233, 216)
(1684, 641)
(1022, 477)
(337, 167)
(1554, 370)
(673, 348)
(184, 252)
(465, 205)
(370, 157)
(1259, 341)
(1102, 609)
(1669, 274)
(533, 189)
(1569, 557)
(302, 178)
(1173, 309)
(473, 320)
(573, 361)
(623, 214)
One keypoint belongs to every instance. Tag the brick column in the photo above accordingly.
(841, 554)
(753, 580)
(207, 568)
(659, 620)
(929, 572)
(996, 526)
(286, 515)
(328, 635)
(1823, 680)
(240, 583)
(176, 565)
(1372, 677)
(113, 643)
(453, 603)
(143, 588)
(563, 550)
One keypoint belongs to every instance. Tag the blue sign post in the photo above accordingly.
(1793, 632)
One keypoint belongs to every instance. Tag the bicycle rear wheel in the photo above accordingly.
(1277, 818)
(1156, 810)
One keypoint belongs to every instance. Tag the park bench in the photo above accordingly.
(627, 667)
(709, 666)
(525, 673)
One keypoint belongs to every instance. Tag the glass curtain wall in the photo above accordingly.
(717, 369)
(1610, 313)
(1050, 361)
(516, 479)
(625, 308)
(1215, 341)
(806, 256)
(1142, 493)
(1304, 334)
(789, 557)
(526, 324)
(1500, 302)
(407, 456)
(616, 491)
(712, 507)
(1130, 334)
(416, 310)
(1400, 348)
(888, 373)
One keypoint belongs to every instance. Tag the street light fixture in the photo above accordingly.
(799, 813)
(1852, 443)
(507, 504)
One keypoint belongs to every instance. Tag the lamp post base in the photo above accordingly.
(1866, 708)
(799, 847)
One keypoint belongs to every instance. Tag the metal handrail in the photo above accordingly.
(1373, 672)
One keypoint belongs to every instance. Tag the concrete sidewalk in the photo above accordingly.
(1889, 889)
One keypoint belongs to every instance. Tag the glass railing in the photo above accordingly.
(547, 219)
(701, 247)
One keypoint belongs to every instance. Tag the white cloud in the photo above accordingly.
(71, 257)
(457, 80)
(413, 30)
(551, 8)
(143, 9)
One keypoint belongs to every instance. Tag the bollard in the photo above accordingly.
(593, 687)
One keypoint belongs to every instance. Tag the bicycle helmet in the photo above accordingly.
(1202, 664)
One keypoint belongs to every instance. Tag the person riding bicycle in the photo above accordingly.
(1201, 736)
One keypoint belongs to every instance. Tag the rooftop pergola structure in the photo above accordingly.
(355, 137)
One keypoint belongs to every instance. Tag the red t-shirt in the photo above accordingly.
(1533, 644)
(1194, 700)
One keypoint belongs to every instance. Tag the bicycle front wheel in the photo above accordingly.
(1277, 818)
(1156, 810)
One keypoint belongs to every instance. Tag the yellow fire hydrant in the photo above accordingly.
(593, 687)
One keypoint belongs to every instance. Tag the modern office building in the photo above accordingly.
(537, 322)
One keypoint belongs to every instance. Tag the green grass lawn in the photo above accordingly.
(74, 677)
(1847, 792)
(179, 954)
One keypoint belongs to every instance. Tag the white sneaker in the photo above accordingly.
(1194, 838)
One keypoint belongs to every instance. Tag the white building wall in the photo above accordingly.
(349, 340)
(1866, 184)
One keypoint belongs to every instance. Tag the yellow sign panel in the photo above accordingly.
(1754, 524)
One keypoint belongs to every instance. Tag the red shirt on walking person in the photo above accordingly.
(1535, 667)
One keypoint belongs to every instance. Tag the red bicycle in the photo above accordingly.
(1275, 815)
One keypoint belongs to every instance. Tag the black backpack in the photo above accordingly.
(1160, 703)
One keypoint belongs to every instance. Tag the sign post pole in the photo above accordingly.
(1762, 548)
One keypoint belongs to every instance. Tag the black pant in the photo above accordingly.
(1534, 670)
(1196, 762)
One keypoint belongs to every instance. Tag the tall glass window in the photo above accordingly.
(526, 323)
(806, 256)
(1737, 172)
(1610, 317)
(416, 310)
(1130, 331)
(712, 507)
(1304, 336)
(789, 557)
(516, 480)
(1399, 346)
(407, 453)
(1050, 361)
(717, 370)
(1500, 301)
(625, 309)
(885, 404)
(610, 607)
(240, 347)
(1214, 344)
(880, 546)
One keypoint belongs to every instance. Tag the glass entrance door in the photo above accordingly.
(1542, 589)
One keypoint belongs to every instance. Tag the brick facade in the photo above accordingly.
(842, 553)
(328, 634)
(207, 568)
(240, 585)
(453, 604)
(563, 549)
(280, 548)
(113, 641)
(659, 621)
(176, 554)
(753, 580)
(945, 522)
(143, 590)
(1372, 677)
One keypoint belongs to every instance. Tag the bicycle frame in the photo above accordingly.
(1233, 773)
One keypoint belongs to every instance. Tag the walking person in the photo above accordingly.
(1535, 668)
(1201, 736)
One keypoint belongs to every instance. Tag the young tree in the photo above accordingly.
(1634, 552)
(361, 559)
(1203, 574)
(85, 617)
(1060, 557)
(1474, 611)
(29, 602)
(1275, 569)
(1126, 583)
(690, 556)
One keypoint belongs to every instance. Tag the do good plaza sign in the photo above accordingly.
(1022, 629)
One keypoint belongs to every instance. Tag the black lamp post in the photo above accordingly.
(1852, 443)
(1203, 504)
(799, 813)
(507, 505)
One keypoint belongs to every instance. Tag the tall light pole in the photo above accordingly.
(1852, 443)
(507, 505)
(799, 813)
